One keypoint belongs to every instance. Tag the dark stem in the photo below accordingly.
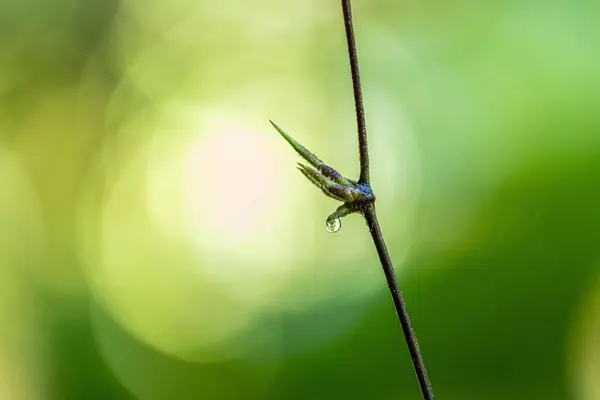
(358, 101)
(401, 310)
(371, 216)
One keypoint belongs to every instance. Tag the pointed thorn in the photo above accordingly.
(303, 151)
(315, 176)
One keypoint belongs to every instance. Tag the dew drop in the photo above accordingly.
(333, 225)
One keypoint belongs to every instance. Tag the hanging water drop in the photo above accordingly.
(333, 224)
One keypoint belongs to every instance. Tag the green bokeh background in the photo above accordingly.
(157, 243)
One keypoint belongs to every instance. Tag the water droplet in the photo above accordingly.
(333, 224)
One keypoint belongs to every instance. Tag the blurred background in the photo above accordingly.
(157, 242)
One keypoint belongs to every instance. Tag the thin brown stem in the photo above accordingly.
(399, 303)
(371, 216)
(358, 100)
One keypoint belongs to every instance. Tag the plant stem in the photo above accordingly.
(401, 310)
(371, 216)
(358, 101)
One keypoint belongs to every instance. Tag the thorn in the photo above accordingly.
(303, 151)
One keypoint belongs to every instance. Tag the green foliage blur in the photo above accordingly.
(157, 242)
